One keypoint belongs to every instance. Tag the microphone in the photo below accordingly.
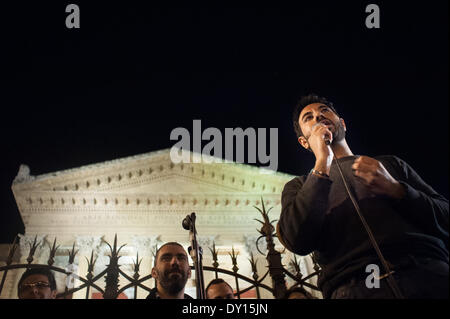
(326, 139)
(187, 222)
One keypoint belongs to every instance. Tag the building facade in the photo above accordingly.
(143, 199)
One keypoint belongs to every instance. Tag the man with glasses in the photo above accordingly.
(37, 283)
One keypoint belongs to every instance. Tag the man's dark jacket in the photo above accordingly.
(318, 216)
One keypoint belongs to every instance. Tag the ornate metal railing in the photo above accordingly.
(276, 270)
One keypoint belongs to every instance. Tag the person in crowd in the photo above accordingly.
(37, 283)
(407, 217)
(219, 289)
(297, 292)
(171, 272)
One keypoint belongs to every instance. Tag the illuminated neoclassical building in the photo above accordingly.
(143, 199)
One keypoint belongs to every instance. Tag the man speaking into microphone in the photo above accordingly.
(407, 218)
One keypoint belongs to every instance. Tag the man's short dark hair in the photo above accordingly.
(305, 101)
(216, 282)
(299, 290)
(39, 271)
(173, 243)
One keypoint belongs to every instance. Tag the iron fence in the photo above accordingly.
(111, 274)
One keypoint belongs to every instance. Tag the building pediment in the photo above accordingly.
(147, 194)
(153, 173)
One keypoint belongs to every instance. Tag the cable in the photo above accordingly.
(390, 280)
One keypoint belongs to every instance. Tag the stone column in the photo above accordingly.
(26, 241)
(260, 259)
(85, 245)
(9, 290)
(206, 242)
(145, 245)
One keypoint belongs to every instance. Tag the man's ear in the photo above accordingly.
(154, 273)
(343, 124)
(189, 272)
(303, 142)
(53, 294)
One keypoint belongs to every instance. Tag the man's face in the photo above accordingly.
(36, 287)
(320, 113)
(220, 291)
(172, 269)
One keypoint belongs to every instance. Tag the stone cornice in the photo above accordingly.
(68, 201)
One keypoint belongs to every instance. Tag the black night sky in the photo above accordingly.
(117, 86)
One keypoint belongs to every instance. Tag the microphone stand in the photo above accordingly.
(196, 253)
(390, 280)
